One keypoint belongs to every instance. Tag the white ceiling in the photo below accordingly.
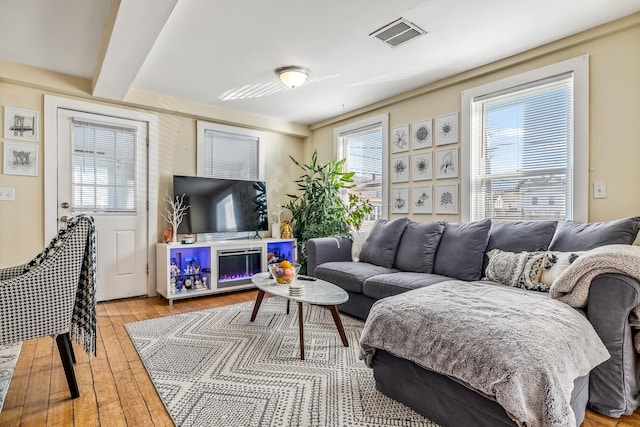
(224, 53)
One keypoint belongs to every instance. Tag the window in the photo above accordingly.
(526, 143)
(363, 145)
(229, 152)
(104, 167)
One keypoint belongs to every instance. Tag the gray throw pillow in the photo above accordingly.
(461, 250)
(520, 236)
(581, 236)
(382, 243)
(418, 246)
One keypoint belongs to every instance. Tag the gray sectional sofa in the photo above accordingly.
(402, 255)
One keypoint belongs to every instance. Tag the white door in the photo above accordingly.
(102, 172)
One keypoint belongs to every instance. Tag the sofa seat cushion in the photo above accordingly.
(349, 275)
(386, 285)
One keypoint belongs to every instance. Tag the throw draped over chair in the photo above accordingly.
(54, 295)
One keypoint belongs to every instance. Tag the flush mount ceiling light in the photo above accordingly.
(293, 76)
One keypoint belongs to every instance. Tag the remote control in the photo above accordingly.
(303, 277)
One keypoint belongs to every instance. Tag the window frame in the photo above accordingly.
(379, 120)
(579, 67)
(202, 126)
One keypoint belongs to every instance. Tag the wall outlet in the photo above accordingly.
(599, 190)
(7, 193)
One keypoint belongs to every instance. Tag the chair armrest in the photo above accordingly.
(11, 272)
(327, 249)
(614, 384)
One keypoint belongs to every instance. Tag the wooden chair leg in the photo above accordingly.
(66, 355)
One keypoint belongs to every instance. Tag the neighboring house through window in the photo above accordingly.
(364, 146)
(526, 142)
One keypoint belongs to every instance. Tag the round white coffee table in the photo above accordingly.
(316, 292)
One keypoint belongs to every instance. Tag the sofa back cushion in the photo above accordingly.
(418, 245)
(461, 250)
(580, 236)
(381, 245)
(520, 236)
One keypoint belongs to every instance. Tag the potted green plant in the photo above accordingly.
(323, 208)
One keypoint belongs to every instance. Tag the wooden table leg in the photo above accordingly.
(338, 322)
(301, 325)
(256, 306)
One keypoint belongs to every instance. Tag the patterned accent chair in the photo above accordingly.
(54, 295)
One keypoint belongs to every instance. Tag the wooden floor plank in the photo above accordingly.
(133, 404)
(36, 402)
(115, 388)
(112, 415)
(85, 407)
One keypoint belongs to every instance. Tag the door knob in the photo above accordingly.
(64, 205)
(64, 218)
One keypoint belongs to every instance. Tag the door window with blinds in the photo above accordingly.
(524, 159)
(228, 152)
(104, 168)
(362, 145)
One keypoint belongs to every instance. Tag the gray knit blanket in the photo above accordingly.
(522, 349)
(572, 286)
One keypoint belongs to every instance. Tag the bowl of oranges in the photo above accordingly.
(284, 272)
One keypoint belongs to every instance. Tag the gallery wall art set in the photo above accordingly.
(20, 158)
(439, 163)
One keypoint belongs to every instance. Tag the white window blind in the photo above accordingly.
(104, 167)
(521, 152)
(362, 149)
(231, 155)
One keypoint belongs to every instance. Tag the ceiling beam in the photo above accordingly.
(131, 32)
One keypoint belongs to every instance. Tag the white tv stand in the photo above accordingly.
(205, 268)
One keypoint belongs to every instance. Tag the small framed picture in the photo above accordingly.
(421, 134)
(447, 129)
(400, 139)
(447, 163)
(422, 200)
(447, 199)
(20, 159)
(21, 124)
(422, 166)
(400, 169)
(400, 200)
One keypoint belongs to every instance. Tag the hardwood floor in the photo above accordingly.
(115, 389)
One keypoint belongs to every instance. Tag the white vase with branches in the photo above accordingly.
(174, 213)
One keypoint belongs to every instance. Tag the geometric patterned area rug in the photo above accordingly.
(216, 368)
(8, 358)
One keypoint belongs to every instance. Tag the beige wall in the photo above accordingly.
(614, 110)
(614, 127)
(21, 220)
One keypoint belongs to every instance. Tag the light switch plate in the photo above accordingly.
(599, 190)
(7, 193)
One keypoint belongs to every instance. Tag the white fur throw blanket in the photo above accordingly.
(522, 349)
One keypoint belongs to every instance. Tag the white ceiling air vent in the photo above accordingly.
(398, 32)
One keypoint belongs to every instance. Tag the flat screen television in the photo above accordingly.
(221, 205)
